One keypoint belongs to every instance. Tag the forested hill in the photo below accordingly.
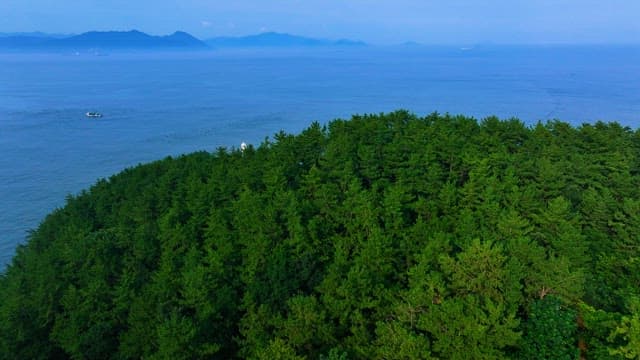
(381, 237)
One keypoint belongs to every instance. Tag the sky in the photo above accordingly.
(373, 21)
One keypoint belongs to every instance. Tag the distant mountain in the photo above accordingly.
(273, 39)
(411, 44)
(104, 40)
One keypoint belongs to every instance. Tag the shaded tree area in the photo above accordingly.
(384, 236)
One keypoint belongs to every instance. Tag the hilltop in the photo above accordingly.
(381, 237)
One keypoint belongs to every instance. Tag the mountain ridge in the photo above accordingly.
(108, 40)
(179, 40)
(276, 39)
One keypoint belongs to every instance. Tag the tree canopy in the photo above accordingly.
(387, 236)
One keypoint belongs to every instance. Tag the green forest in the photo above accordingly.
(387, 236)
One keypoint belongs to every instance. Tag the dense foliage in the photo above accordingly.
(382, 237)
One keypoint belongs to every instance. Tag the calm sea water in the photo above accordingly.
(156, 105)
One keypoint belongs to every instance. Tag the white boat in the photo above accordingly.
(93, 114)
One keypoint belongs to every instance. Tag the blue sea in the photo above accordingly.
(155, 105)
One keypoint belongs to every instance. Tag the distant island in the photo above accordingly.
(102, 40)
(274, 39)
(137, 40)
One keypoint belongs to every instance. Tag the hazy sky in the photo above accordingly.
(426, 21)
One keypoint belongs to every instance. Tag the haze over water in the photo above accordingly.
(156, 105)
